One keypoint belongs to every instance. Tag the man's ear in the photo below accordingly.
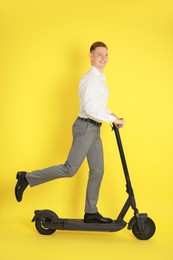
(90, 56)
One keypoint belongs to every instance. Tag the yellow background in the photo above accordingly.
(44, 50)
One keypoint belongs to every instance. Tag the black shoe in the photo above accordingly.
(21, 185)
(96, 218)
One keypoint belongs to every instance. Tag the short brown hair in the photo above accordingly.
(97, 44)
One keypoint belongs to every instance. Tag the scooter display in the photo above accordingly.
(143, 227)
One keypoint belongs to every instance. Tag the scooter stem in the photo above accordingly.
(123, 160)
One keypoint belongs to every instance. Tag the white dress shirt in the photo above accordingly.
(93, 96)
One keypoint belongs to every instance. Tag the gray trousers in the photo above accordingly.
(86, 143)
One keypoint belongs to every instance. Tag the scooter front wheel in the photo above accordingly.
(40, 227)
(148, 229)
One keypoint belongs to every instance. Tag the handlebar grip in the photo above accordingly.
(120, 125)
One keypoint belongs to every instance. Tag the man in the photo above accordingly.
(93, 96)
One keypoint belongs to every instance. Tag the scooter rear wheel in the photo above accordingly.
(40, 227)
(148, 229)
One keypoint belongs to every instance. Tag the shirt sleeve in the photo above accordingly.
(96, 102)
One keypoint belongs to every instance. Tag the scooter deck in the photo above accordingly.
(80, 225)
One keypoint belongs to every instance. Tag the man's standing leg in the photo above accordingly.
(96, 166)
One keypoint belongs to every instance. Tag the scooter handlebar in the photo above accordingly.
(119, 125)
(115, 127)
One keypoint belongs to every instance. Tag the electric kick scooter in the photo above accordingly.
(143, 227)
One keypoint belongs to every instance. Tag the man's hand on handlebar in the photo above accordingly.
(119, 122)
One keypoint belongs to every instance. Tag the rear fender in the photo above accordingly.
(41, 214)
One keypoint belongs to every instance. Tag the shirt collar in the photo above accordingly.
(97, 72)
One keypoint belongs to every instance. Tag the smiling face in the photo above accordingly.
(99, 58)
